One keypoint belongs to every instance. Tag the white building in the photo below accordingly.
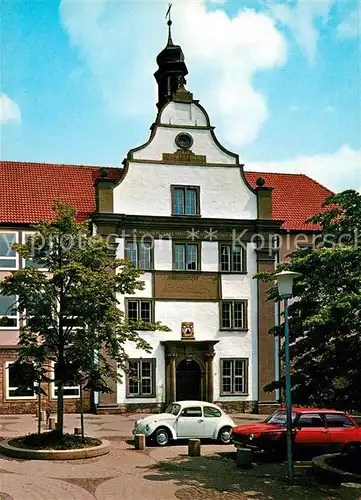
(186, 215)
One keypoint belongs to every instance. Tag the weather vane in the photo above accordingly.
(168, 12)
(170, 41)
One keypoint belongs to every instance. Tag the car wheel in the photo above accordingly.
(224, 435)
(161, 436)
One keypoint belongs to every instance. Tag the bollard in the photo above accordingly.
(244, 458)
(194, 447)
(77, 431)
(139, 441)
(350, 491)
(52, 424)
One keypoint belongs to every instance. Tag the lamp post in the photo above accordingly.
(285, 284)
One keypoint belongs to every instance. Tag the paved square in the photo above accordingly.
(154, 474)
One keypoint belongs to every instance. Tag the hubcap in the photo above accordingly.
(162, 437)
(226, 435)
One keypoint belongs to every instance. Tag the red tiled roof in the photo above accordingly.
(28, 190)
(295, 198)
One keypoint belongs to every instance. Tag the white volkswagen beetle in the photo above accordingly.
(186, 419)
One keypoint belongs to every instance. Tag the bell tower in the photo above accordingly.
(172, 69)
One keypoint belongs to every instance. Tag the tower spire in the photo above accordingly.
(169, 22)
(171, 71)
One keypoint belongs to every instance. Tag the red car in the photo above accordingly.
(314, 431)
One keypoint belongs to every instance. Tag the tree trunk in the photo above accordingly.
(60, 409)
(39, 407)
(81, 409)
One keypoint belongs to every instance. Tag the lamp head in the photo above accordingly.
(285, 282)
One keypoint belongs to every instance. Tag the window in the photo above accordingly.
(18, 389)
(185, 200)
(31, 262)
(8, 312)
(234, 376)
(233, 258)
(195, 411)
(280, 418)
(8, 257)
(234, 314)
(338, 420)
(310, 420)
(141, 378)
(139, 253)
(70, 390)
(139, 310)
(210, 412)
(186, 257)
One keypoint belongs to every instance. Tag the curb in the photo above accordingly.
(94, 451)
(325, 472)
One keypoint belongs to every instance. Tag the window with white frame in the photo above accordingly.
(141, 378)
(234, 314)
(8, 257)
(70, 389)
(139, 253)
(18, 389)
(8, 312)
(31, 262)
(234, 376)
(233, 258)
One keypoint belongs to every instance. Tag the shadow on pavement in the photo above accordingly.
(210, 476)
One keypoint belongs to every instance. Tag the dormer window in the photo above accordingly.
(185, 200)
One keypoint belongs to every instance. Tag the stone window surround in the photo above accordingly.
(8, 387)
(244, 252)
(233, 328)
(139, 300)
(173, 187)
(246, 376)
(140, 242)
(153, 380)
(199, 256)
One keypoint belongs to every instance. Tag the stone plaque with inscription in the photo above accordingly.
(185, 285)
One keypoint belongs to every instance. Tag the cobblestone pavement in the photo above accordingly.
(153, 474)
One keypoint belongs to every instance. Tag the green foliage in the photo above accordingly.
(325, 320)
(54, 441)
(72, 314)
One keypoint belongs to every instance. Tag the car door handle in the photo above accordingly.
(200, 420)
(325, 432)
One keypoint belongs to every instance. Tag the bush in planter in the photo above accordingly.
(54, 441)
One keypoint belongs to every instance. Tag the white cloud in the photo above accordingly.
(119, 42)
(301, 18)
(9, 110)
(337, 171)
(351, 26)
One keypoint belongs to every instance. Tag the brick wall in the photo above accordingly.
(12, 406)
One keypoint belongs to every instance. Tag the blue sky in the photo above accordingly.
(280, 79)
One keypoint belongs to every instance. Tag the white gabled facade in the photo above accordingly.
(219, 363)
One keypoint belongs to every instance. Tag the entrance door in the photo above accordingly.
(188, 381)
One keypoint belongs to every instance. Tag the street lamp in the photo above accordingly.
(285, 284)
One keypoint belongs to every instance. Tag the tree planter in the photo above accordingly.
(94, 451)
(328, 473)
